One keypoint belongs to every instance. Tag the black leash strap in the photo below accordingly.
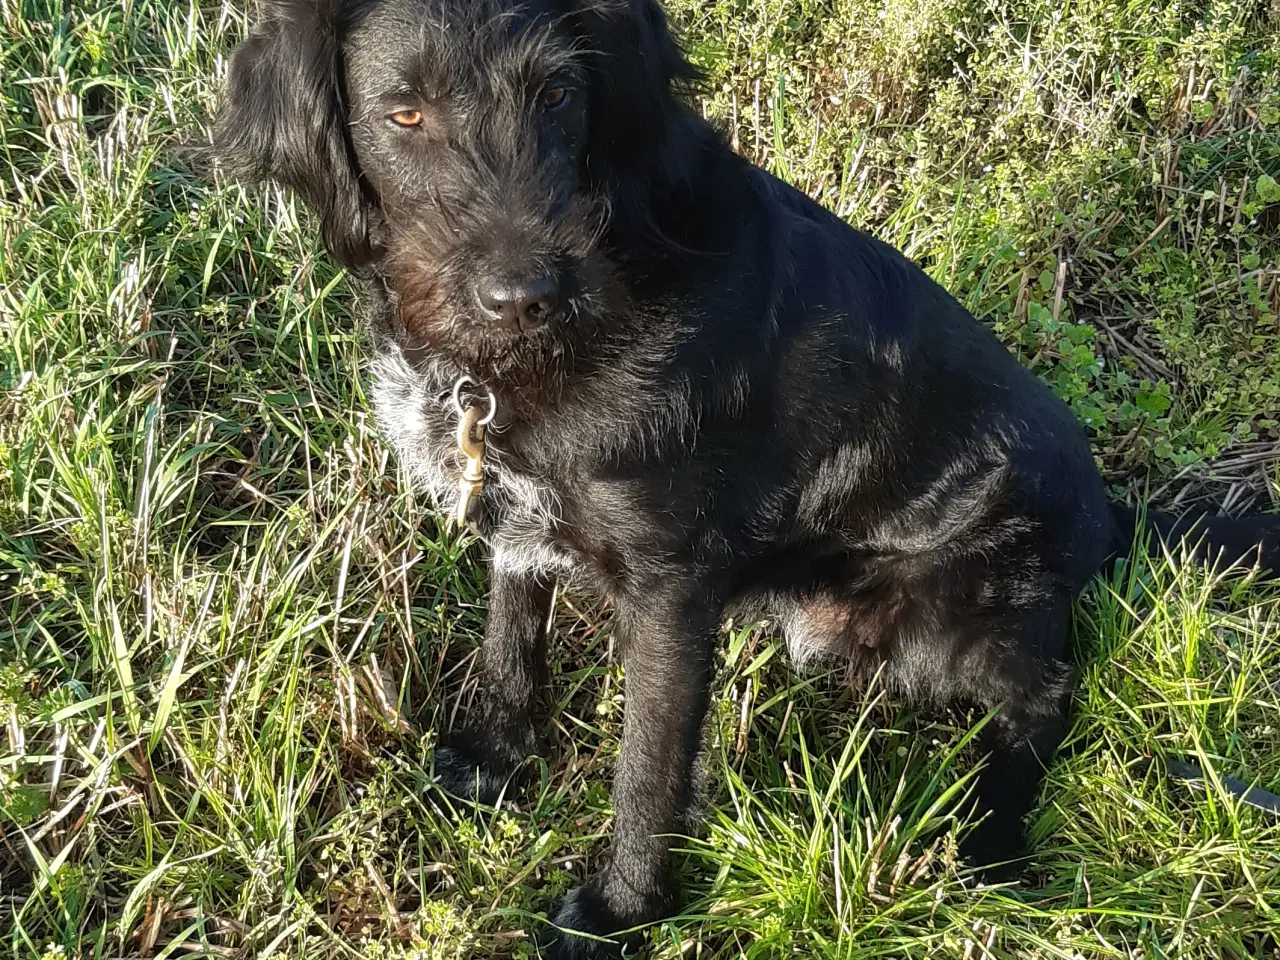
(1194, 777)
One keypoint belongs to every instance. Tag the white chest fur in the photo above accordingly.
(415, 413)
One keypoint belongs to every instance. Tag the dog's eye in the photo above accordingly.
(554, 98)
(406, 118)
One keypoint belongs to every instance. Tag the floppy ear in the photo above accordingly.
(284, 119)
(635, 80)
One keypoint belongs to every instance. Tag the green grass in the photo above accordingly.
(229, 633)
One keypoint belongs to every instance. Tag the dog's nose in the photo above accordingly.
(519, 304)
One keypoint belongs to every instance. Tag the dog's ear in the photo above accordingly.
(284, 119)
(635, 82)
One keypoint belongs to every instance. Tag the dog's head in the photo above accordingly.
(478, 154)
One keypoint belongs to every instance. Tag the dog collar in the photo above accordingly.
(472, 420)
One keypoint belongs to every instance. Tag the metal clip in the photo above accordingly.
(471, 428)
(471, 444)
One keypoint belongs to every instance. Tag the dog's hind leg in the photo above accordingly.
(1029, 687)
(1019, 743)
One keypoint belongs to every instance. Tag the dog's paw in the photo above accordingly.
(994, 851)
(467, 768)
(584, 928)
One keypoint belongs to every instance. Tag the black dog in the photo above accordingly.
(709, 394)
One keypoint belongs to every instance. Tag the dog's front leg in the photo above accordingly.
(667, 643)
(500, 732)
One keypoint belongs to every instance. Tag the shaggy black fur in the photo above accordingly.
(712, 394)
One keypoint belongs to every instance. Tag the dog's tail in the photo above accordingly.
(1225, 541)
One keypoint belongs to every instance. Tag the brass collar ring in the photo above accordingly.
(472, 420)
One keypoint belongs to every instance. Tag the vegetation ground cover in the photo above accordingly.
(229, 633)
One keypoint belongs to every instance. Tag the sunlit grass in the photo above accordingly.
(229, 633)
